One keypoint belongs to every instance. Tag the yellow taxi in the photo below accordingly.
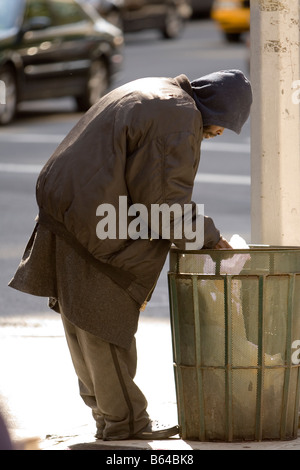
(233, 17)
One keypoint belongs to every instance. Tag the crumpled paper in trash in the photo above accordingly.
(235, 264)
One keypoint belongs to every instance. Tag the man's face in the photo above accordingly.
(212, 131)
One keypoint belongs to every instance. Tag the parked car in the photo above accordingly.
(233, 17)
(167, 16)
(55, 48)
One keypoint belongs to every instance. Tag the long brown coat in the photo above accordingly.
(141, 141)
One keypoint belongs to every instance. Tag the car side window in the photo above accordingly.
(37, 8)
(67, 12)
(10, 14)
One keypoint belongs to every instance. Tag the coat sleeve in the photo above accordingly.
(161, 177)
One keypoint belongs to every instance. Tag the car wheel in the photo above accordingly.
(96, 85)
(8, 109)
(173, 24)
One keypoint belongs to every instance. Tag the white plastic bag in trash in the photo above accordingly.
(235, 264)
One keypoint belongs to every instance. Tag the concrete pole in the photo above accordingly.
(275, 122)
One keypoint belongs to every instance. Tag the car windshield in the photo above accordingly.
(10, 12)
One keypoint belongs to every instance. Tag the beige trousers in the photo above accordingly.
(106, 383)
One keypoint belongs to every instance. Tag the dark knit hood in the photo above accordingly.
(224, 99)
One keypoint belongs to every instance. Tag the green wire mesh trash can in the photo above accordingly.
(235, 319)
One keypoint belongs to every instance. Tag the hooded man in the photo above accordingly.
(139, 146)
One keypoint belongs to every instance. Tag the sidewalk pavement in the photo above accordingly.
(39, 394)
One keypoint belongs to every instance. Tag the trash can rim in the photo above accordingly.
(252, 249)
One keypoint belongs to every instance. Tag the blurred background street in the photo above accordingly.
(222, 185)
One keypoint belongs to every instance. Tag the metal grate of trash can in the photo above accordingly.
(235, 319)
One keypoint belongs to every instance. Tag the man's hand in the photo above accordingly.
(223, 243)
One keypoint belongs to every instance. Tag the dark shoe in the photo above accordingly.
(154, 431)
